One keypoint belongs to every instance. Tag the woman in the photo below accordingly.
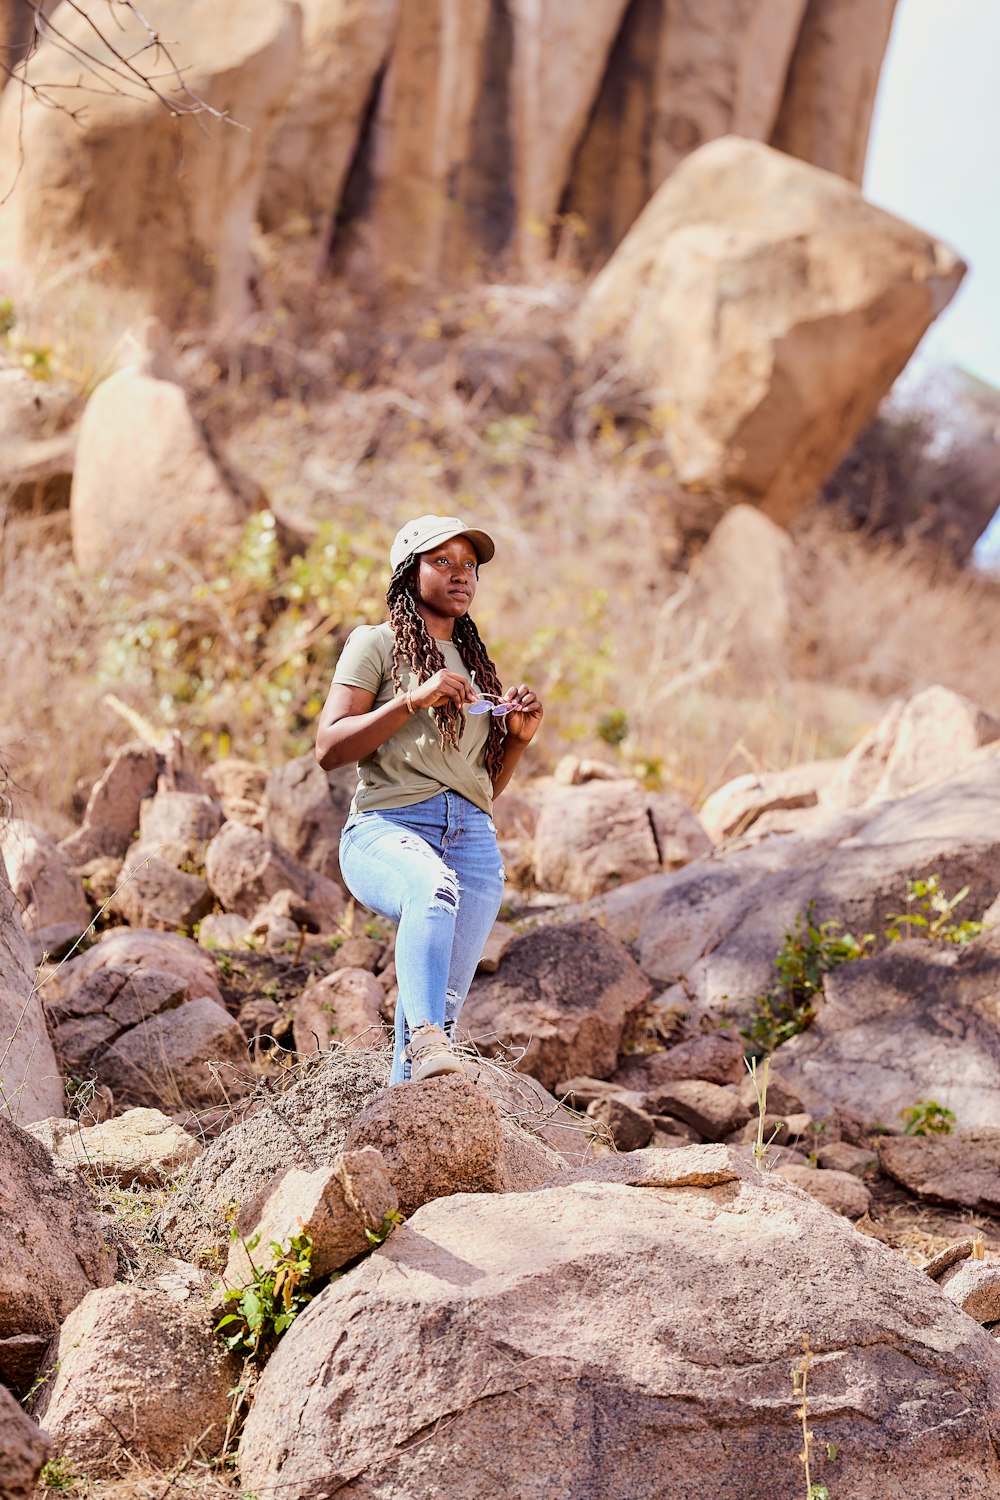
(418, 704)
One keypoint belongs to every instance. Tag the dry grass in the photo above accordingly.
(359, 415)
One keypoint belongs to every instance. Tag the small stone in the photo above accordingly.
(839, 1191)
(975, 1286)
(714, 1111)
(839, 1156)
(630, 1128)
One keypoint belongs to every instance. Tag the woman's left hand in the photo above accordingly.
(523, 721)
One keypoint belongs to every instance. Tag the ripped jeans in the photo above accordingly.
(435, 868)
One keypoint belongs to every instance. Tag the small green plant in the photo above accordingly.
(612, 728)
(928, 912)
(58, 1474)
(392, 1220)
(809, 950)
(272, 1301)
(927, 1117)
(8, 317)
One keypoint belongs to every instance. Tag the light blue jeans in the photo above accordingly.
(434, 868)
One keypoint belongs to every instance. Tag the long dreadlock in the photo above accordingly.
(413, 646)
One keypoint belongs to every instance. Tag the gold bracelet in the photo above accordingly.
(409, 705)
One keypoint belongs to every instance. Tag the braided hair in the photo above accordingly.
(414, 646)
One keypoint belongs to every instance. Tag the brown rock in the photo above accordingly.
(475, 1286)
(975, 1286)
(245, 869)
(111, 817)
(709, 1108)
(224, 929)
(51, 1250)
(839, 1191)
(181, 821)
(155, 895)
(962, 1169)
(167, 952)
(46, 887)
(343, 1006)
(714, 1056)
(630, 1128)
(441, 1137)
(840, 1156)
(524, 1103)
(141, 1146)
(562, 994)
(185, 1058)
(499, 940)
(606, 833)
(736, 806)
(721, 305)
(829, 94)
(781, 1098)
(93, 180)
(24, 1448)
(677, 76)
(305, 810)
(581, 1092)
(169, 496)
(334, 1205)
(31, 1086)
(162, 1381)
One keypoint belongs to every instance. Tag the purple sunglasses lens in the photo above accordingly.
(479, 708)
(499, 710)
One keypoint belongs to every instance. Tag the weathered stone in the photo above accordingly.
(962, 1169)
(224, 929)
(111, 817)
(738, 804)
(46, 887)
(522, 1101)
(630, 1128)
(345, 1006)
(922, 740)
(781, 1097)
(445, 1136)
(305, 1126)
(141, 1146)
(245, 869)
(714, 1056)
(918, 1021)
(335, 1206)
(709, 1108)
(605, 833)
(183, 820)
(145, 480)
(154, 894)
(475, 1286)
(839, 1191)
(24, 1448)
(162, 1380)
(678, 76)
(829, 94)
(562, 994)
(98, 171)
(975, 1286)
(751, 275)
(121, 948)
(498, 941)
(344, 46)
(31, 1086)
(305, 810)
(51, 1250)
(841, 1156)
(185, 1058)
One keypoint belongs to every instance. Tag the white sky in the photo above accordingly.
(934, 154)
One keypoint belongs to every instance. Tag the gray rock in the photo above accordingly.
(630, 1127)
(712, 1110)
(975, 1286)
(24, 1448)
(839, 1191)
(961, 1169)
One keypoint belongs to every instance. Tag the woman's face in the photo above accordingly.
(446, 578)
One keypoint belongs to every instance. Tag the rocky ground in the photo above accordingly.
(205, 1083)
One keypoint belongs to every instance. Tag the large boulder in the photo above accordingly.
(54, 910)
(141, 1146)
(924, 739)
(963, 1169)
(111, 817)
(314, 139)
(829, 93)
(719, 922)
(305, 810)
(741, 803)
(769, 308)
(918, 1021)
(561, 997)
(344, 1006)
(135, 1371)
(31, 1086)
(605, 833)
(90, 178)
(51, 1252)
(145, 483)
(677, 76)
(166, 952)
(632, 1314)
(153, 893)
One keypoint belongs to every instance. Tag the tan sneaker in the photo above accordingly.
(430, 1054)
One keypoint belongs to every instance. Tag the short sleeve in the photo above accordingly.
(361, 663)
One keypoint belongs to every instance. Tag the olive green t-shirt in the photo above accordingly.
(410, 765)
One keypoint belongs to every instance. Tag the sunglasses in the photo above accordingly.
(488, 703)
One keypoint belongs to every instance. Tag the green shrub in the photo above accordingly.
(809, 950)
(927, 1117)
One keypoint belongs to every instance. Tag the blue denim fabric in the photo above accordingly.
(434, 868)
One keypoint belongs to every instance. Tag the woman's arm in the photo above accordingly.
(351, 728)
(522, 724)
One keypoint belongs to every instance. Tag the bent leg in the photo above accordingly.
(478, 867)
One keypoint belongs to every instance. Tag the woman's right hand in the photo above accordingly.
(443, 687)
